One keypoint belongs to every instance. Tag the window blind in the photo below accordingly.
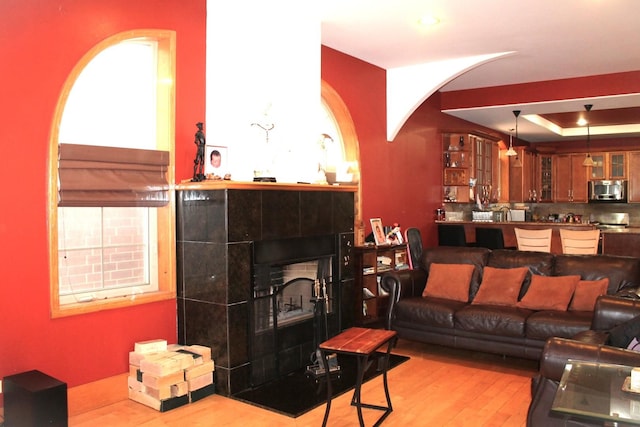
(110, 176)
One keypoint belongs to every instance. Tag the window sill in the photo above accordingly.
(110, 304)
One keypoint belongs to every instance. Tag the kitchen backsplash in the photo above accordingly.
(543, 210)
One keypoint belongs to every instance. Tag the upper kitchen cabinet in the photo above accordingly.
(633, 190)
(457, 167)
(609, 166)
(544, 177)
(470, 165)
(570, 178)
(523, 176)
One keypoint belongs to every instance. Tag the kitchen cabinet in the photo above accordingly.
(469, 158)
(457, 166)
(611, 165)
(370, 263)
(544, 178)
(633, 189)
(522, 176)
(570, 178)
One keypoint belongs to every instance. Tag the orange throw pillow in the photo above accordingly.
(586, 293)
(449, 281)
(549, 292)
(500, 286)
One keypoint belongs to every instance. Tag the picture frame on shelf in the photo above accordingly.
(378, 231)
(210, 170)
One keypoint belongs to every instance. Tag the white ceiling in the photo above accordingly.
(551, 39)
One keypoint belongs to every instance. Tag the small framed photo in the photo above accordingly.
(378, 231)
(216, 162)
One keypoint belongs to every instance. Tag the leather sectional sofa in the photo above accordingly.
(507, 326)
(612, 317)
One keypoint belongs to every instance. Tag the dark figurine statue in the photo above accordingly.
(198, 163)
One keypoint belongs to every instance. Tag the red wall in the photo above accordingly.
(401, 180)
(40, 42)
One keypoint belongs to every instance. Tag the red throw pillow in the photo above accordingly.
(500, 286)
(586, 293)
(449, 281)
(549, 292)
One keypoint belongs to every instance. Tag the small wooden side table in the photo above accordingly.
(361, 343)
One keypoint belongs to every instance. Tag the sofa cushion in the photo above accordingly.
(549, 292)
(623, 272)
(428, 311)
(492, 319)
(449, 281)
(566, 324)
(458, 255)
(537, 263)
(500, 286)
(586, 293)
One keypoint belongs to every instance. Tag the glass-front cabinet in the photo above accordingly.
(457, 166)
(469, 168)
(609, 166)
(545, 177)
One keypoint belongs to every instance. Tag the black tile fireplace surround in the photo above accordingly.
(217, 230)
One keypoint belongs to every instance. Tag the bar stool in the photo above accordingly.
(491, 238)
(414, 246)
(451, 235)
(533, 240)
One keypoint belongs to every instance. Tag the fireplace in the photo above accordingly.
(294, 303)
(246, 243)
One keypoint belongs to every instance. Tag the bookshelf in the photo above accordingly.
(370, 263)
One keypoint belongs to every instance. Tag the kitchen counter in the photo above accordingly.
(624, 241)
(510, 235)
(629, 230)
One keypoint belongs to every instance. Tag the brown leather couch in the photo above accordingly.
(589, 345)
(504, 330)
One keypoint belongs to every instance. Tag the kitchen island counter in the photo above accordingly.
(510, 235)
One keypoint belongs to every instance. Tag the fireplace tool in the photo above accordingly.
(320, 302)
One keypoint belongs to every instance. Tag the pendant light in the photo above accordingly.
(511, 152)
(588, 161)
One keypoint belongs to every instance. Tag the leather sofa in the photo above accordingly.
(507, 330)
(592, 345)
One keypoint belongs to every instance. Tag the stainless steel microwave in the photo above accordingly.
(608, 191)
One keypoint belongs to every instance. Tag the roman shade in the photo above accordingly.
(110, 176)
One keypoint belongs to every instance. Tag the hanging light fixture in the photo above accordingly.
(517, 163)
(511, 152)
(588, 161)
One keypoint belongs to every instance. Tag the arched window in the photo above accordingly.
(111, 158)
(337, 119)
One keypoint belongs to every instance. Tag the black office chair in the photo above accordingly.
(451, 235)
(414, 246)
(491, 238)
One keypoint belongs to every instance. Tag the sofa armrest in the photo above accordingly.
(410, 283)
(610, 311)
(401, 284)
(557, 351)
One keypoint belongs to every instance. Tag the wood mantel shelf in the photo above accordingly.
(246, 185)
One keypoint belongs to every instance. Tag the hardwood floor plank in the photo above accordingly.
(437, 386)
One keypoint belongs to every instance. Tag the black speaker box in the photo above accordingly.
(34, 399)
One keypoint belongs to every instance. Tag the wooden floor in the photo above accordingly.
(436, 387)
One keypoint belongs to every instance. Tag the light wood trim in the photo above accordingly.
(166, 215)
(243, 185)
(332, 100)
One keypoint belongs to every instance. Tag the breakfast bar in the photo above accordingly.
(509, 233)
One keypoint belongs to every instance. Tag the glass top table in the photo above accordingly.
(595, 391)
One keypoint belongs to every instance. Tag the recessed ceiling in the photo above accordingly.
(551, 39)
